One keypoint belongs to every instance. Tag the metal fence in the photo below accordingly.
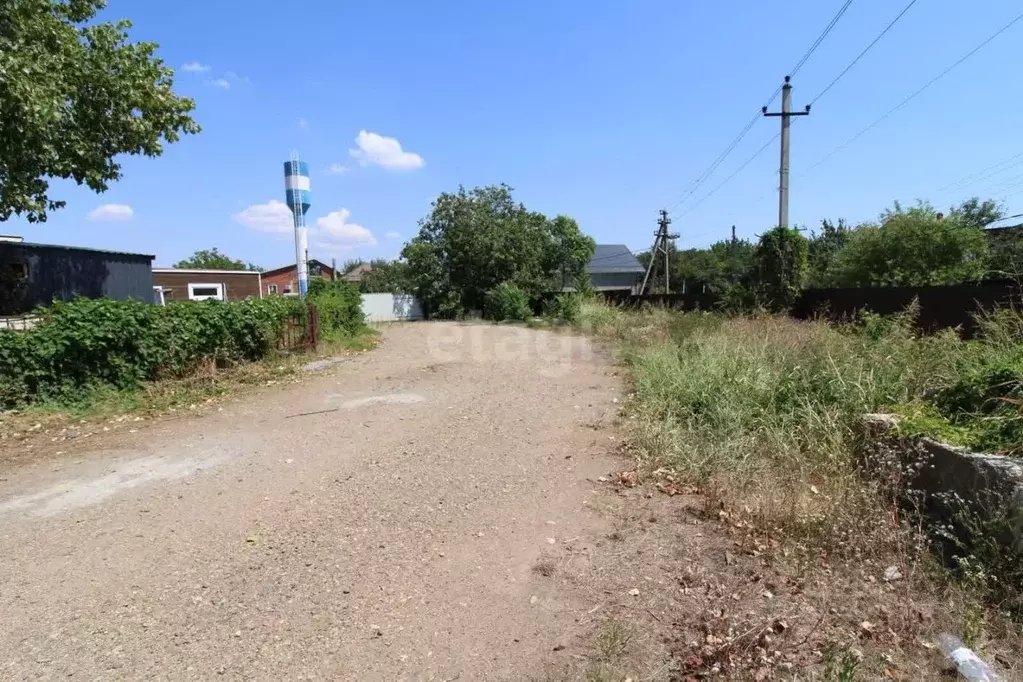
(301, 330)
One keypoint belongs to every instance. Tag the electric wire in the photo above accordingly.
(705, 175)
(915, 94)
(865, 51)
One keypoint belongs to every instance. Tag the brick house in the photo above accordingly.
(284, 280)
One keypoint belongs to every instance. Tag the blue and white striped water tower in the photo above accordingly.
(296, 189)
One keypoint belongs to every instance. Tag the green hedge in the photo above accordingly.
(92, 343)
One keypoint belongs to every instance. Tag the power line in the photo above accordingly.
(705, 175)
(820, 39)
(734, 173)
(972, 178)
(913, 96)
(865, 51)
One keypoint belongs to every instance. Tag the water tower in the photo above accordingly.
(296, 190)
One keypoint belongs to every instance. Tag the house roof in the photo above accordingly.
(356, 273)
(613, 258)
(35, 245)
(205, 271)
(291, 266)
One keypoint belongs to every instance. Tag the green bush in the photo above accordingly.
(507, 301)
(339, 305)
(86, 344)
(564, 308)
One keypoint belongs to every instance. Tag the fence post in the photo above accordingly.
(313, 326)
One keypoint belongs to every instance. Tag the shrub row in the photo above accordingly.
(91, 343)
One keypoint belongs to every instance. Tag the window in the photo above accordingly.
(271, 288)
(288, 287)
(202, 292)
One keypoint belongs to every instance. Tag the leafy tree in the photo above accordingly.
(823, 248)
(911, 247)
(213, 259)
(351, 264)
(976, 213)
(386, 276)
(74, 95)
(473, 241)
(780, 266)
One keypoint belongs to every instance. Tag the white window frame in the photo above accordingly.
(158, 297)
(271, 288)
(192, 286)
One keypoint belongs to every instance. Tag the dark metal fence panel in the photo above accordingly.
(301, 330)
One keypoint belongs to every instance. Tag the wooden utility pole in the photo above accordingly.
(786, 115)
(661, 238)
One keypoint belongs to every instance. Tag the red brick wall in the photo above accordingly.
(287, 277)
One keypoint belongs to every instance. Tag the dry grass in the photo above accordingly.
(757, 414)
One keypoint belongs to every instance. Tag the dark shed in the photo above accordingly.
(35, 274)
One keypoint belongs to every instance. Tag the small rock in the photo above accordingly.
(767, 594)
(534, 599)
(729, 559)
(892, 573)
(634, 592)
(551, 541)
(614, 400)
(289, 461)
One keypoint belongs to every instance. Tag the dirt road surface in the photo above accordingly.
(391, 530)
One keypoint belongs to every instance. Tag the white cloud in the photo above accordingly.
(231, 75)
(195, 67)
(377, 150)
(273, 216)
(393, 235)
(219, 83)
(337, 169)
(302, 123)
(108, 213)
(332, 233)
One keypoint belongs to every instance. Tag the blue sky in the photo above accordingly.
(604, 111)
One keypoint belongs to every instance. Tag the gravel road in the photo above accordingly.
(390, 531)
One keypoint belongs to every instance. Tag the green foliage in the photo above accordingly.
(387, 276)
(780, 266)
(911, 248)
(213, 259)
(88, 344)
(74, 96)
(507, 301)
(823, 248)
(474, 241)
(339, 305)
(565, 308)
(976, 213)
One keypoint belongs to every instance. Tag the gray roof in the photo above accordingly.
(613, 258)
(35, 245)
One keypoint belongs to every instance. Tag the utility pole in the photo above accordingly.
(661, 238)
(786, 115)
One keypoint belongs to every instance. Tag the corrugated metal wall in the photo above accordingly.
(62, 273)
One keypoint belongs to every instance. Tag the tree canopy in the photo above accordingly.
(475, 240)
(780, 266)
(213, 259)
(912, 247)
(74, 95)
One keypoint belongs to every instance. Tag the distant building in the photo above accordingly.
(37, 274)
(614, 268)
(193, 284)
(356, 274)
(284, 280)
